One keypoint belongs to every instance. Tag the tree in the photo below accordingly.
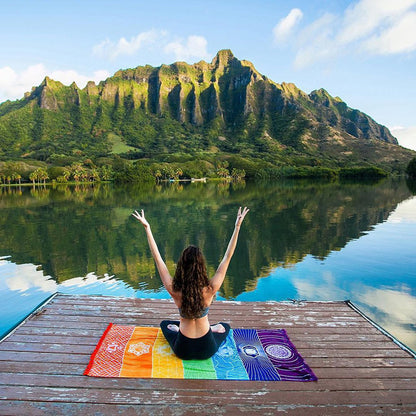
(157, 174)
(177, 173)
(77, 171)
(238, 174)
(223, 172)
(84, 174)
(33, 176)
(167, 171)
(61, 179)
(94, 175)
(106, 172)
(411, 168)
(42, 174)
(66, 174)
(39, 174)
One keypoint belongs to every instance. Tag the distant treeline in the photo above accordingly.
(176, 167)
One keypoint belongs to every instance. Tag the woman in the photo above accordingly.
(192, 337)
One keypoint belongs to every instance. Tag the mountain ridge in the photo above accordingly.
(225, 106)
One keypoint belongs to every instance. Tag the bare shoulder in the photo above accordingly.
(209, 293)
(177, 298)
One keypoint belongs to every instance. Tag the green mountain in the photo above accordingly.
(206, 110)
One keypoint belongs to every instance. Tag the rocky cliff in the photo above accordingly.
(222, 106)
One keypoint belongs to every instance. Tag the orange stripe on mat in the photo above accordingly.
(137, 361)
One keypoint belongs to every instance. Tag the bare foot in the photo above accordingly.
(218, 328)
(173, 327)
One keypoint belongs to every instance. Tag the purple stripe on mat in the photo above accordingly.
(283, 355)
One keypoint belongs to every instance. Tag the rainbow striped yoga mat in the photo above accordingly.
(246, 354)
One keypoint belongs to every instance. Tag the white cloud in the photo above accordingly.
(286, 25)
(322, 45)
(326, 288)
(24, 277)
(192, 47)
(364, 17)
(406, 136)
(69, 76)
(399, 305)
(183, 49)
(404, 213)
(379, 27)
(399, 37)
(112, 50)
(395, 310)
(13, 84)
(88, 280)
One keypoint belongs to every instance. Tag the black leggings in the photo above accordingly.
(194, 348)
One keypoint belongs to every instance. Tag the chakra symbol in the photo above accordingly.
(278, 351)
(250, 350)
(113, 347)
(139, 349)
(225, 351)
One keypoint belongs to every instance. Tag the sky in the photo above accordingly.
(363, 51)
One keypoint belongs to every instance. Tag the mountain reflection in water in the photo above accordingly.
(308, 240)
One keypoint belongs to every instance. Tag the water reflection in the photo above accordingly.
(394, 309)
(76, 231)
(301, 240)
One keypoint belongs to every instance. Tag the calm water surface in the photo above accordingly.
(301, 240)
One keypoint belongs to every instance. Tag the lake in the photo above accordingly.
(300, 240)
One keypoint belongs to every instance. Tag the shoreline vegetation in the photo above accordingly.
(118, 170)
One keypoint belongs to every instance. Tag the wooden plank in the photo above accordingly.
(52, 409)
(52, 380)
(31, 367)
(154, 321)
(127, 303)
(56, 339)
(91, 299)
(344, 310)
(217, 306)
(12, 346)
(186, 396)
(144, 314)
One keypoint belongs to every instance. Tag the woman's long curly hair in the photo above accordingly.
(190, 279)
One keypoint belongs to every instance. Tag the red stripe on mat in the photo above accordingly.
(87, 370)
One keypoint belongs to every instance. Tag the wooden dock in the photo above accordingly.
(361, 371)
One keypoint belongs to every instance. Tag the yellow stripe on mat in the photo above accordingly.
(165, 363)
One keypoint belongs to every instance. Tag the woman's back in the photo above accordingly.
(195, 327)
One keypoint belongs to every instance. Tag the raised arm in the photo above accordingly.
(160, 264)
(219, 276)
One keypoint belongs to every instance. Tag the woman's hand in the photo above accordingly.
(141, 218)
(240, 216)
